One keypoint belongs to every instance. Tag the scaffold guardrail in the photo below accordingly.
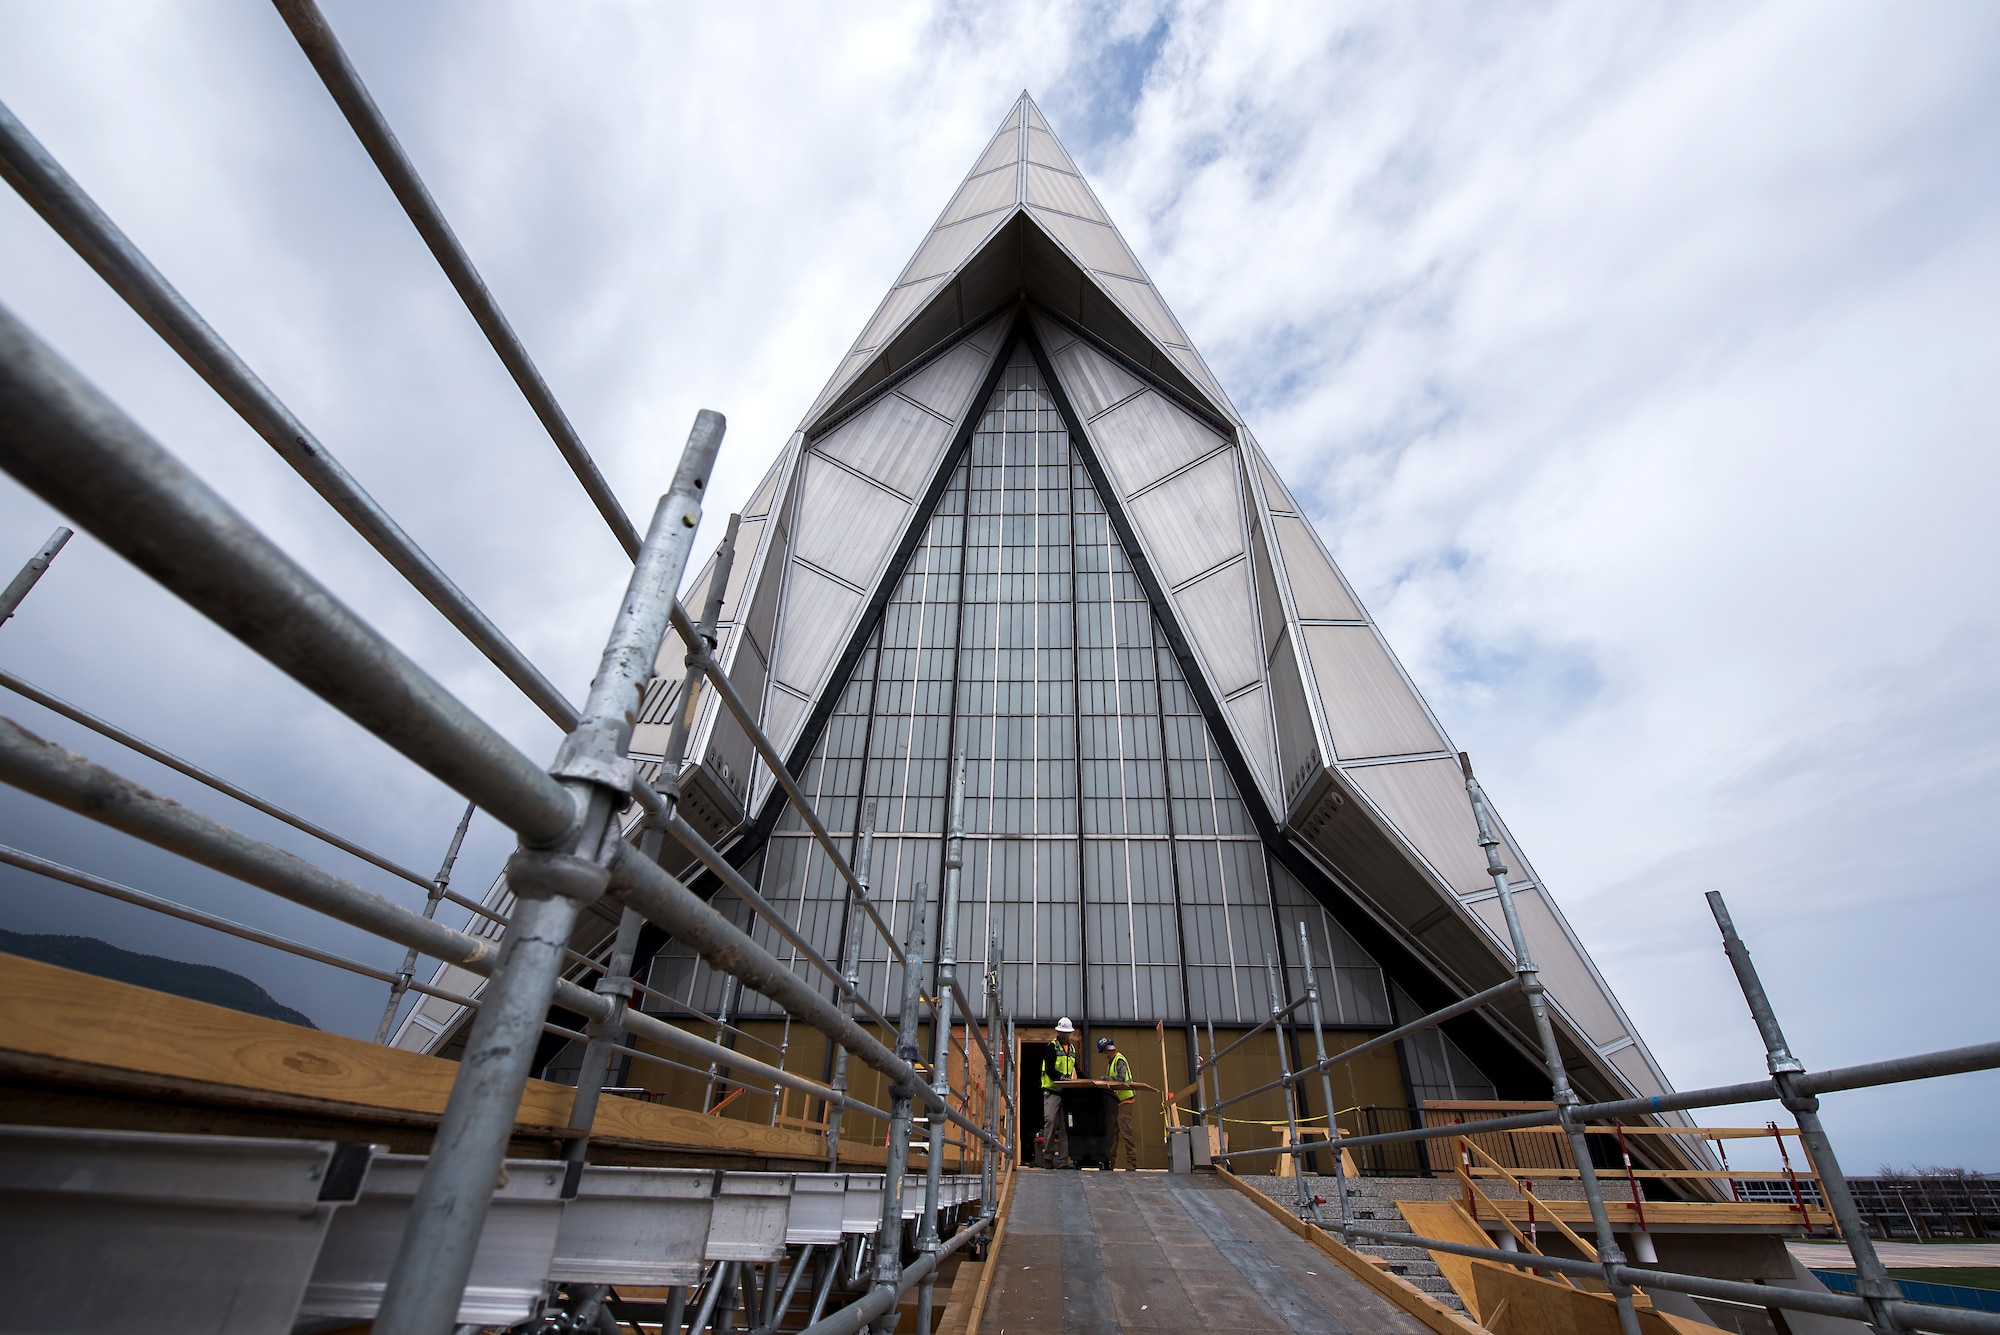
(578, 840)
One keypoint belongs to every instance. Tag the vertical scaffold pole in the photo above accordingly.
(1305, 1206)
(1325, 1079)
(551, 887)
(730, 987)
(1609, 1254)
(607, 1036)
(439, 884)
(989, 1157)
(851, 976)
(1871, 1281)
(889, 1237)
(18, 587)
(947, 973)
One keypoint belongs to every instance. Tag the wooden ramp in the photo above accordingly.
(1091, 1252)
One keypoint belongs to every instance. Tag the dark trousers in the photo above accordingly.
(1125, 1140)
(1055, 1131)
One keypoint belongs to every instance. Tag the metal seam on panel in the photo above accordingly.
(836, 461)
(920, 407)
(1373, 933)
(1181, 470)
(1240, 558)
(1140, 392)
(818, 428)
(821, 712)
(1203, 412)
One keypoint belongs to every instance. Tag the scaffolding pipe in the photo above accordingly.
(1917, 1316)
(69, 444)
(51, 192)
(735, 881)
(309, 27)
(1609, 1255)
(1325, 1080)
(56, 705)
(406, 976)
(1326, 1064)
(38, 564)
(851, 980)
(551, 885)
(954, 859)
(1872, 1280)
(700, 657)
(889, 1233)
(84, 880)
(66, 441)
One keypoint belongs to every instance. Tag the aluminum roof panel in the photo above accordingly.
(1097, 246)
(1145, 306)
(815, 621)
(1005, 148)
(947, 384)
(948, 247)
(1059, 190)
(1317, 588)
(901, 305)
(1043, 148)
(1221, 619)
(1426, 801)
(891, 440)
(1145, 438)
(983, 194)
(846, 523)
(1191, 522)
(1371, 709)
(1094, 381)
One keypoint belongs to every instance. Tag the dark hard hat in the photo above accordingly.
(1105, 1045)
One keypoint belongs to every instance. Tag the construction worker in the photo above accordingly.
(1058, 1063)
(1126, 1137)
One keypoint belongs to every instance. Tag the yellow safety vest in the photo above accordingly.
(1065, 1067)
(1121, 1070)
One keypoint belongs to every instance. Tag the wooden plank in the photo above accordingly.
(117, 1035)
(1524, 1304)
(1448, 1222)
(1706, 1214)
(958, 1304)
(977, 1313)
(1434, 1314)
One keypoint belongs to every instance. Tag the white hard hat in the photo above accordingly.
(1063, 1026)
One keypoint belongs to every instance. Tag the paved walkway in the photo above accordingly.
(1090, 1252)
(1901, 1255)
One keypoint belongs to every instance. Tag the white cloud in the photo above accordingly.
(1636, 360)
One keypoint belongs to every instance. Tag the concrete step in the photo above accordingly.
(1392, 1253)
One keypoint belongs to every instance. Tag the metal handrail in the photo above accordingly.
(71, 445)
(221, 785)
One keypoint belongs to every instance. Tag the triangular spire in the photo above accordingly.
(1324, 737)
(1024, 222)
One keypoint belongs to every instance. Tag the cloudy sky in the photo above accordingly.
(1630, 358)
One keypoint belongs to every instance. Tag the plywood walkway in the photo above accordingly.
(1090, 1252)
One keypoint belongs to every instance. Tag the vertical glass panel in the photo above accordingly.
(1107, 850)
